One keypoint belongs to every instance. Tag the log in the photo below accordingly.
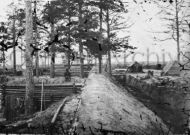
(58, 110)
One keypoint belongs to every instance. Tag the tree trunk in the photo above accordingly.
(100, 38)
(69, 41)
(28, 59)
(177, 31)
(68, 59)
(36, 44)
(14, 48)
(125, 56)
(80, 42)
(3, 61)
(108, 36)
(81, 60)
(37, 63)
(100, 63)
(125, 61)
(52, 51)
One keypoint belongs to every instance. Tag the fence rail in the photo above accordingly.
(55, 92)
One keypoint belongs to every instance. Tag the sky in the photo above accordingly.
(147, 20)
(3, 7)
(140, 35)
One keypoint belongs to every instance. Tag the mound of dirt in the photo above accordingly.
(105, 107)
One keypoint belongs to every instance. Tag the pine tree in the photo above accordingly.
(35, 38)
(80, 5)
(114, 7)
(52, 15)
(68, 10)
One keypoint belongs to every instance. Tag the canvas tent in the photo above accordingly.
(172, 68)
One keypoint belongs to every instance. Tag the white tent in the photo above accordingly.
(172, 68)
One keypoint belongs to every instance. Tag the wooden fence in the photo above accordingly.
(51, 93)
(57, 91)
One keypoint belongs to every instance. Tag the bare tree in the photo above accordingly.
(174, 16)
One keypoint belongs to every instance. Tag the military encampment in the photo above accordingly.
(95, 67)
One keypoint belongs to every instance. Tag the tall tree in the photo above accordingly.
(105, 6)
(16, 18)
(13, 18)
(77, 29)
(80, 5)
(100, 37)
(35, 38)
(108, 41)
(172, 13)
(4, 39)
(69, 11)
(14, 48)
(115, 8)
(69, 36)
(177, 29)
(29, 104)
(52, 15)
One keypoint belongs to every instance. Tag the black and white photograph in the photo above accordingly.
(94, 67)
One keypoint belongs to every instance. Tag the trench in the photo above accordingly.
(173, 117)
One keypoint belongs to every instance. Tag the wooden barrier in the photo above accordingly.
(58, 91)
(52, 93)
